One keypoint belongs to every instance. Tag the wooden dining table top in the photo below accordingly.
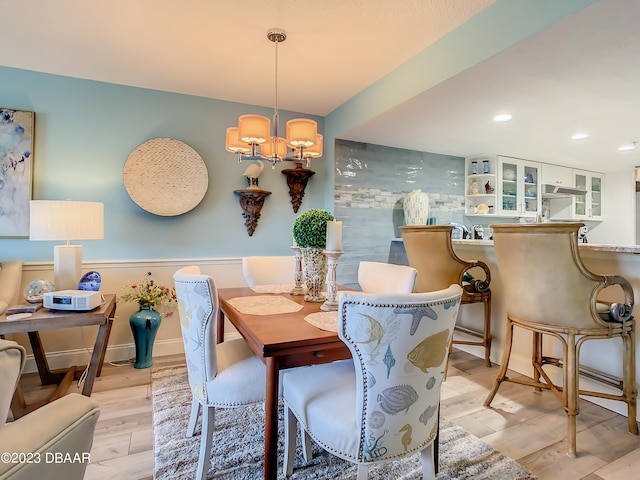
(279, 333)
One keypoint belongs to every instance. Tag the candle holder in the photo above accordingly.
(331, 303)
(298, 289)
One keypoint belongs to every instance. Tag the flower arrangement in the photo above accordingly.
(310, 228)
(147, 293)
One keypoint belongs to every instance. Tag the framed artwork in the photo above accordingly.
(16, 176)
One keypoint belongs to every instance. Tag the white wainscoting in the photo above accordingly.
(73, 346)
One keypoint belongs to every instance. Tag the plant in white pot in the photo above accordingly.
(310, 234)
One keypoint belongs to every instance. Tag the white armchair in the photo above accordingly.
(51, 442)
(10, 280)
(384, 405)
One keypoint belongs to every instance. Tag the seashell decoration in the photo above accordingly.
(388, 360)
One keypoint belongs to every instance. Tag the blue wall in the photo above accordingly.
(85, 131)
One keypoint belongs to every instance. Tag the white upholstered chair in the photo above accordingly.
(64, 427)
(379, 277)
(384, 405)
(269, 270)
(549, 292)
(221, 375)
(10, 280)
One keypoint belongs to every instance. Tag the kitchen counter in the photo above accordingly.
(592, 247)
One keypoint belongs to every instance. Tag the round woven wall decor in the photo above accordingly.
(165, 177)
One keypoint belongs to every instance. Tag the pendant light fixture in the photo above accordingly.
(258, 138)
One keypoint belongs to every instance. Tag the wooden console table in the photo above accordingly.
(45, 319)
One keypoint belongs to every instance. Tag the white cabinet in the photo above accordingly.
(480, 185)
(556, 175)
(589, 206)
(518, 193)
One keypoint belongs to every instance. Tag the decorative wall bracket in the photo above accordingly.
(297, 179)
(251, 201)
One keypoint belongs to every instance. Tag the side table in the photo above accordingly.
(45, 319)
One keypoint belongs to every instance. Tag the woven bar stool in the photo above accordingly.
(430, 251)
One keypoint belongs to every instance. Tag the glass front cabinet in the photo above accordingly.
(589, 206)
(519, 192)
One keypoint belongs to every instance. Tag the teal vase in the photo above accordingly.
(144, 326)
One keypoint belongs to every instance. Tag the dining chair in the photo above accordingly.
(384, 405)
(379, 277)
(221, 375)
(549, 292)
(269, 270)
(430, 251)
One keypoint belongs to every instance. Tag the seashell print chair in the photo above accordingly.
(269, 270)
(379, 277)
(430, 251)
(384, 405)
(224, 375)
(549, 292)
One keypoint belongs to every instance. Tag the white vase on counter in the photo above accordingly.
(416, 207)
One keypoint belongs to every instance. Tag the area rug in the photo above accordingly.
(238, 445)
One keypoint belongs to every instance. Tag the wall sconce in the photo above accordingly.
(251, 202)
(297, 179)
(66, 220)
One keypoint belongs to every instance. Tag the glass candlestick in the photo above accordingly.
(298, 289)
(331, 303)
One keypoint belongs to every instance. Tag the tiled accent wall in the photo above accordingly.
(370, 183)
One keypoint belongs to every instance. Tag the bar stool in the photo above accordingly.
(549, 292)
(430, 251)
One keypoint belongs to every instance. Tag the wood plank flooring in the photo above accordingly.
(525, 425)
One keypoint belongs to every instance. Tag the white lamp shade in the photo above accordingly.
(314, 151)
(66, 220)
(275, 147)
(254, 129)
(301, 132)
(233, 143)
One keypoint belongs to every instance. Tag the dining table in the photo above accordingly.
(279, 329)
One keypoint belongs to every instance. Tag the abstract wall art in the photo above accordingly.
(16, 175)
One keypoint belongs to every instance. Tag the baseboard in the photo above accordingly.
(115, 353)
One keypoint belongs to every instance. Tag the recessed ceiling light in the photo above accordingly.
(502, 117)
(627, 148)
(579, 136)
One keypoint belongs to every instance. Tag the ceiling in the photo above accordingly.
(578, 75)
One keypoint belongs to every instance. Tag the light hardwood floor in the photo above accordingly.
(525, 425)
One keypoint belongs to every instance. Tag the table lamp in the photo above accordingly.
(66, 220)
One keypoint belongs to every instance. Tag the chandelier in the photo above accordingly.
(254, 138)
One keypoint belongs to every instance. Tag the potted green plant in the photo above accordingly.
(310, 234)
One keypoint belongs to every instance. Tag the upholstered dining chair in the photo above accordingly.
(385, 404)
(379, 277)
(430, 251)
(221, 375)
(269, 270)
(63, 427)
(549, 292)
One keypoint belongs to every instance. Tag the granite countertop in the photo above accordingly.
(594, 247)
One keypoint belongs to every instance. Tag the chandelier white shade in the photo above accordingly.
(58, 220)
(256, 137)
